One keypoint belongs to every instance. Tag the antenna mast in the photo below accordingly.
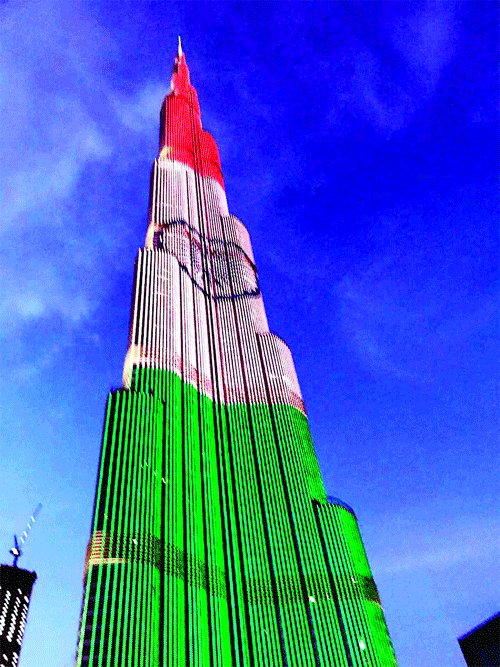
(16, 549)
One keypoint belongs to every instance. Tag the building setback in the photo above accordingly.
(16, 585)
(213, 542)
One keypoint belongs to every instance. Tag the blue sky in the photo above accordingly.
(359, 143)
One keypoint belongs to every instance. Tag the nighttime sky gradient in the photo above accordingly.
(359, 144)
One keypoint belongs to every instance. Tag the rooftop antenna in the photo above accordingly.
(16, 549)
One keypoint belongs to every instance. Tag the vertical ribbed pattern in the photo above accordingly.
(123, 563)
(365, 631)
(213, 542)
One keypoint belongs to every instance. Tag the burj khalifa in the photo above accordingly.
(213, 542)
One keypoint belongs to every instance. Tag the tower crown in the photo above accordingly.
(182, 137)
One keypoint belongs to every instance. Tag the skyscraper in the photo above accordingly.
(213, 542)
(16, 585)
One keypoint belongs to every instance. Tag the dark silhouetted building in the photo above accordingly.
(481, 646)
(15, 592)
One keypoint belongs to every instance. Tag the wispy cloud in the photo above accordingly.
(26, 371)
(51, 174)
(426, 36)
(50, 135)
(140, 111)
(60, 119)
(386, 84)
(413, 300)
(49, 132)
(440, 546)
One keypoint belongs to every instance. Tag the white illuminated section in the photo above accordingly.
(197, 309)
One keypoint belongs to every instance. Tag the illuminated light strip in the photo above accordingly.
(105, 545)
(241, 334)
(286, 494)
(148, 315)
(356, 613)
(129, 465)
(346, 617)
(117, 577)
(245, 518)
(145, 580)
(247, 643)
(202, 362)
(300, 529)
(106, 561)
(282, 541)
(231, 529)
(260, 469)
(119, 440)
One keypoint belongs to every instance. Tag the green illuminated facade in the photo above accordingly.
(213, 542)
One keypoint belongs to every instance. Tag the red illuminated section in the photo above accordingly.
(182, 136)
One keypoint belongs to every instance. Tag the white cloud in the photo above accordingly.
(140, 111)
(426, 37)
(39, 288)
(30, 306)
(47, 176)
(48, 133)
(57, 122)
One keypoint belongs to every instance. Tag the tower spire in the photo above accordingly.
(180, 82)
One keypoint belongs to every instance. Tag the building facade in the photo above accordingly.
(16, 585)
(481, 645)
(213, 542)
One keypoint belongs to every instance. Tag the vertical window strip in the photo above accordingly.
(236, 434)
(139, 438)
(114, 533)
(135, 417)
(122, 617)
(88, 605)
(353, 598)
(100, 601)
(310, 554)
(342, 574)
(294, 554)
